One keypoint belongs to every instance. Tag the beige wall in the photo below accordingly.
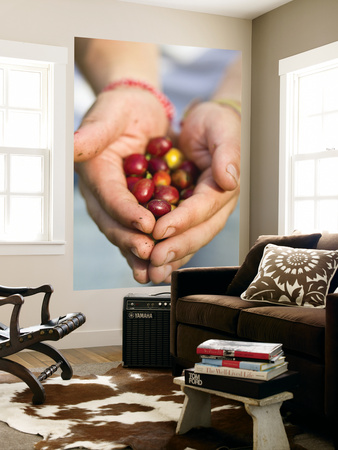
(293, 28)
(57, 22)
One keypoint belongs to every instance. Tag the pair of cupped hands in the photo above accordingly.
(120, 123)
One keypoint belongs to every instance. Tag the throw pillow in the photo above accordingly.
(248, 270)
(293, 276)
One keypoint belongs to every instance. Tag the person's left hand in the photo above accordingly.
(210, 137)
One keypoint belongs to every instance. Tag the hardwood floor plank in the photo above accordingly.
(73, 356)
(113, 353)
(27, 359)
(92, 356)
(32, 359)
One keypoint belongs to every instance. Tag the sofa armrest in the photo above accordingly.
(331, 356)
(196, 280)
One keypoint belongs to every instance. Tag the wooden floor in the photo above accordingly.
(33, 360)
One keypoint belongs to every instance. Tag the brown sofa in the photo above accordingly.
(206, 303)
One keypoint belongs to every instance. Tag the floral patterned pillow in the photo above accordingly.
(293, 276)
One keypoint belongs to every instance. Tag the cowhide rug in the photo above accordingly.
(126, 408)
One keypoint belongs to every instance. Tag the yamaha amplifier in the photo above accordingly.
(146, 330)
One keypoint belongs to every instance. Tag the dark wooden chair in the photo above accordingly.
(14, 339)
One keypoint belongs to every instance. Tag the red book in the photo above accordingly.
(239, 349)
(244, 364)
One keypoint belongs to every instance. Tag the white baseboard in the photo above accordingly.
(96, 338)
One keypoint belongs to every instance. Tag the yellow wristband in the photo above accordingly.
(234, 104)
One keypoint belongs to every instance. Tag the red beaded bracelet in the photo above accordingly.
(165, 102)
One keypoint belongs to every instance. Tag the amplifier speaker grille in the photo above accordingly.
(146, 331)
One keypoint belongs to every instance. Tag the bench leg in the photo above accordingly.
(196, 410)
(268, 428)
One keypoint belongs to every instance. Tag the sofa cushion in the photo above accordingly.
(249, 268)
(293, 276)
(329, 241)
(301, 330)
(219, 312)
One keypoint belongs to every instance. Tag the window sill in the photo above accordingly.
(30, 248)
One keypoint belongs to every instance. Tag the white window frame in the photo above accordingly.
(57, 58)
(321, 56)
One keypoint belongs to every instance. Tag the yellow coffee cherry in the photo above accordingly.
(173, 158)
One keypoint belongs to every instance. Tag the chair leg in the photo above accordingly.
(25, 375)
(48, 350)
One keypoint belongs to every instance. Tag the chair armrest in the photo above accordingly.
(46, 289)
(17, 301)
(5, 291)
(331, 355)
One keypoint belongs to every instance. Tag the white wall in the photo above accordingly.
(57, 22)
(294, 28)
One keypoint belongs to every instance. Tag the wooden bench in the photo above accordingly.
(268, 428)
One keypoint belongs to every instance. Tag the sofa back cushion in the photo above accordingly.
(248, 270)
(329, 241)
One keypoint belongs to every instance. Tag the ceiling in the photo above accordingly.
(242, 9)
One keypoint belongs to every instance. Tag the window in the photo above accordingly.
(308, 193)
(32, 148)
(24, 152)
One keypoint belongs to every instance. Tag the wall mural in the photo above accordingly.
(189, 77)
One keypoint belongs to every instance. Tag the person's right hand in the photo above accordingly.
(119, 123)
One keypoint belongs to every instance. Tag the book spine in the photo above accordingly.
(231, 372)
(253, 355)
(231, 353)
(209, 351)
(202, 380)
(221, 362)
(237, 364)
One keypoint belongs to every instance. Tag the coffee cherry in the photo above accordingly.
(135, 164)
(158, 146)
(186, 193)
(131, 181)
(167, 193)
(181, 179)
(143, 190)
(159, 207)
(191, 168)
(173, 158)
(161, 178)
(157, 164)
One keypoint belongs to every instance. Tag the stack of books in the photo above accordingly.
(256, 360)
(255, 369)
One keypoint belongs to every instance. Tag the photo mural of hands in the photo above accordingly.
(121, 122)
